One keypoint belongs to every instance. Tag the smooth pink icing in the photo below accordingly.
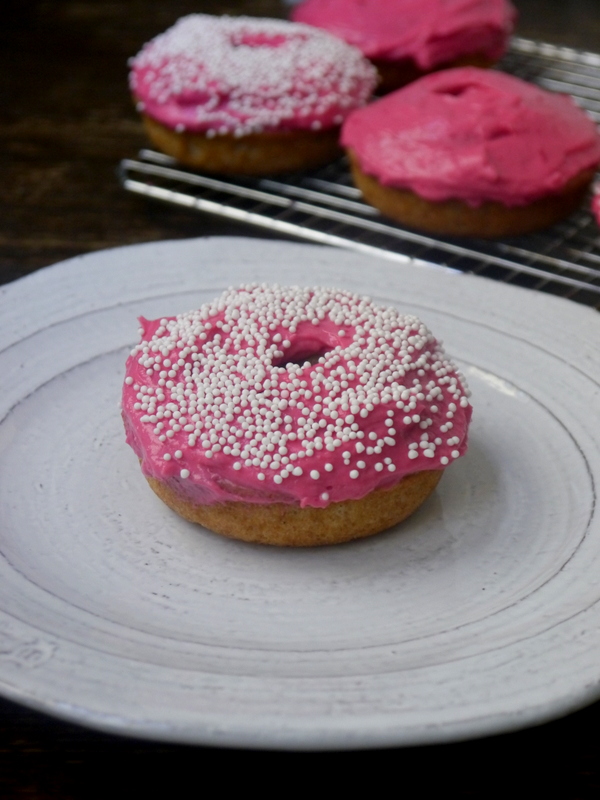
(474, 135)
(380, 373)
(240, 75)
(430, 32)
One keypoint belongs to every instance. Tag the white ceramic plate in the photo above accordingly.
(480, 614)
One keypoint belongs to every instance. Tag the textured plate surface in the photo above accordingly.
(480, 614)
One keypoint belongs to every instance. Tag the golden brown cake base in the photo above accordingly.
(396, 74)
(455, 218)
(291, 526)
(254, 154)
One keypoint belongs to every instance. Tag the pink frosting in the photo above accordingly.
(474, 135)
(300, 396)
(430, 32)
(240, 75)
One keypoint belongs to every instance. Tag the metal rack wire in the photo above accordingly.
(323, 205)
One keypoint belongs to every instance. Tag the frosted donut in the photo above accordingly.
(473, 152)
(246, 95)
(406, 39)
(293, 416)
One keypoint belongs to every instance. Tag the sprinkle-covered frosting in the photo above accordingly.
(297, 395)
(475, 135)
(241, 75)
(429, 32)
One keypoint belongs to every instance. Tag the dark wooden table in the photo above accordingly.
(66, 121)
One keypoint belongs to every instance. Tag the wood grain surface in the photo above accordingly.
(65, 123)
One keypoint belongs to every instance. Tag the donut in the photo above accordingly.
(248, 96)
(471, 152)
(293, 416)
(406, 39)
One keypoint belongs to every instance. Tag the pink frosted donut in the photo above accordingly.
(412, 37)
(232, 79)
(272, 414)
(473, 152)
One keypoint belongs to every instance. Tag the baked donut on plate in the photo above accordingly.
(471, 152)
(293, 416)
(248, 96)
(405, 39)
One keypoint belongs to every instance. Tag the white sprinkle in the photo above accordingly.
(185, 473)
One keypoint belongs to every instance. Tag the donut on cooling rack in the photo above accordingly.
(406, 39)
(241, 95)
(471, 152)
(293, 416)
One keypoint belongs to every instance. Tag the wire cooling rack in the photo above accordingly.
(323, 205)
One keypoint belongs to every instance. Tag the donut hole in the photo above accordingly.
(258, 39)
(453, 91)
(302, 351)
(191, 97)
(499, 133)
